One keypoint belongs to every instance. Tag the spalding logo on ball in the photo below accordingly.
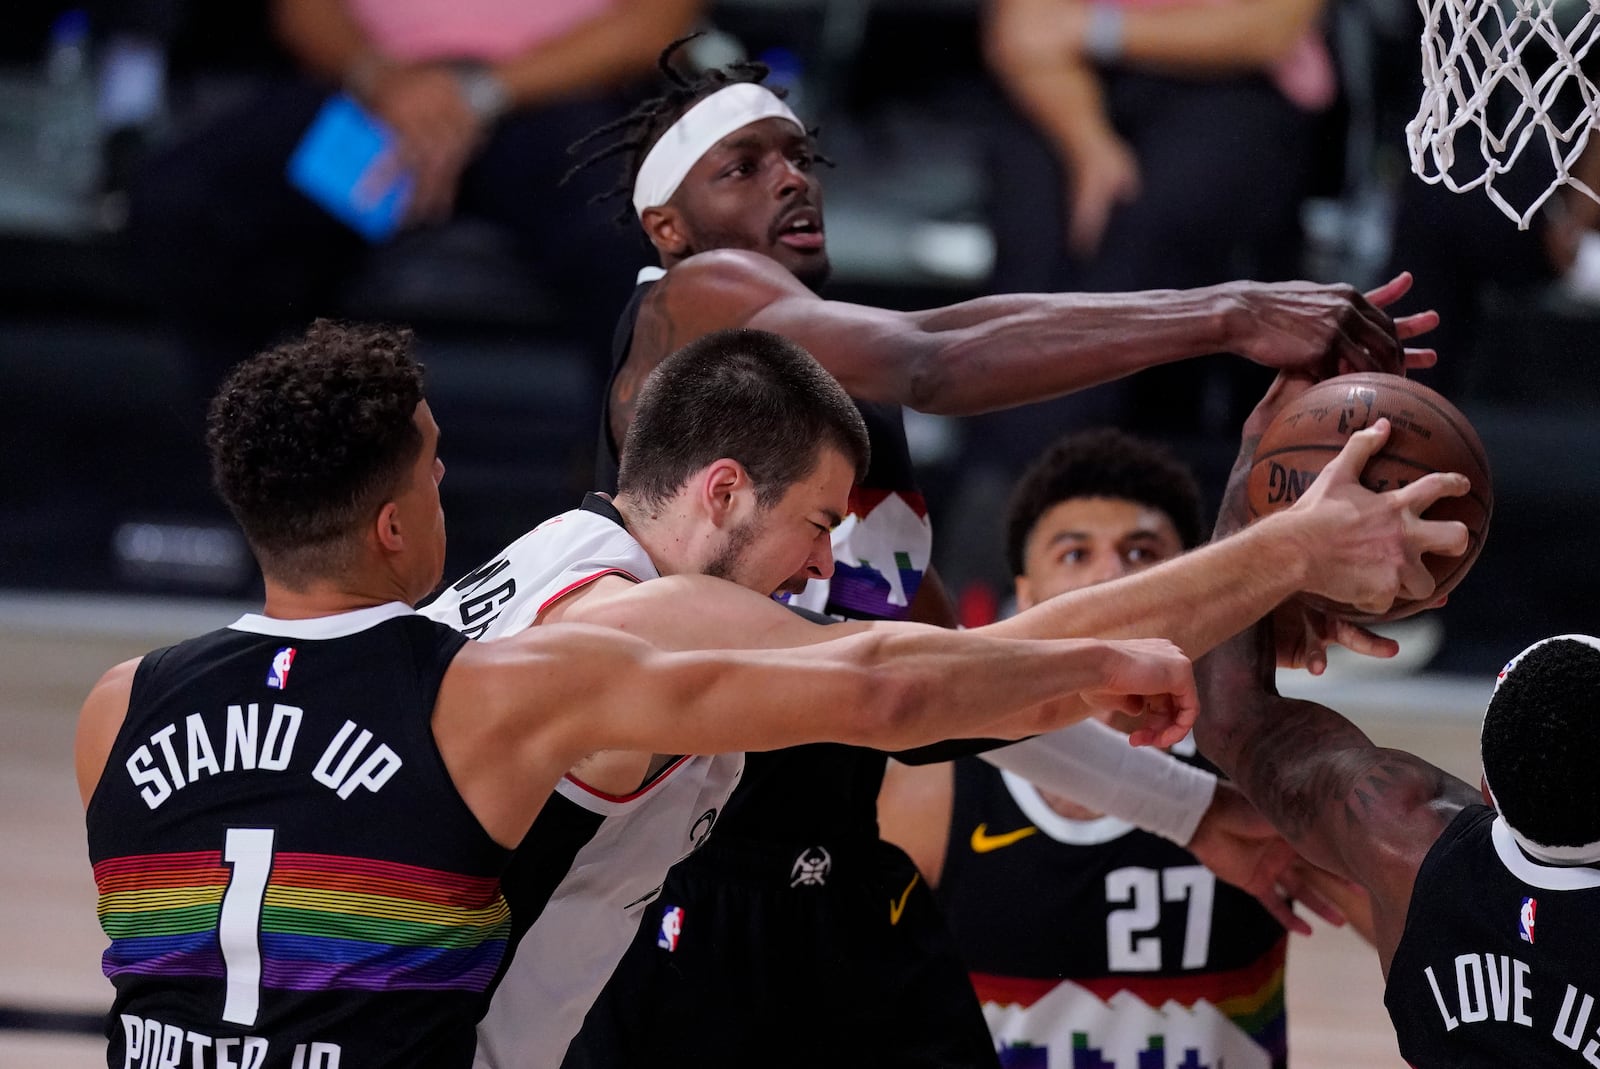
(1428, 434)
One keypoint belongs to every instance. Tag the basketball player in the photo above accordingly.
(1071, 922)
(720, 177)
(1484, 906)
(298, 823)
(702, 494)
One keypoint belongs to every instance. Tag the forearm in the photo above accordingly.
(608, 50)
(885, 690)
(1093, 765)
(1195, 601)
(998, 352)
(1358, 810)
(322, 35)
(959, 685)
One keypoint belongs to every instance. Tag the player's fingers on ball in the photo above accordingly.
(1409, 326)
(1416, 581)
(1361, 447)
(1417, 359)
(1418, 496)
(1390, 291)
(1447, 538)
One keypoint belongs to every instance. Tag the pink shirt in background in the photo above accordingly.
(1305, 76)
(468, 29)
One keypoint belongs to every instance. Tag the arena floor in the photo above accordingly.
(53, 649)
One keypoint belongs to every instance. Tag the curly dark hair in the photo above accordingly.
(746, 394)
(1540, 736)
(641, 128)
(1104, 463)
(309, 438)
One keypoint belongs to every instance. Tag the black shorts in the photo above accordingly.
(786, 957)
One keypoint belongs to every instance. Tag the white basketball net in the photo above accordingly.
(1472, 54)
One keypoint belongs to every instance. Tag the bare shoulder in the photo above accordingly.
(99, 720)
(589, 599)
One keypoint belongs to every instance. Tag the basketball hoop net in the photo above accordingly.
(1473, 60)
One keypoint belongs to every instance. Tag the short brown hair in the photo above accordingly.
(309, 439)
(749, 395)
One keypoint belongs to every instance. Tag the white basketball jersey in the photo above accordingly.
(615, 850)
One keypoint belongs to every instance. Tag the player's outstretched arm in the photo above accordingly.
(514, 714)
(1000, 351)
(1339, 540)
(1359, 810)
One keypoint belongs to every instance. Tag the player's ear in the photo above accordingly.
(665, 229)
(1024, 592)
(1483, 788)
(724, 483)
(386, 528)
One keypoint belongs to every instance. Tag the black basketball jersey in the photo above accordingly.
(287, 874)
(1499, 964)
(880, 553)
(1096, 938)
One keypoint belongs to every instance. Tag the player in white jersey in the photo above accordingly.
(618, 821)
(617, 840)
(708, 491)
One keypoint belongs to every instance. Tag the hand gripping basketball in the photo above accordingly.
(1426, 434)
(1366, 547)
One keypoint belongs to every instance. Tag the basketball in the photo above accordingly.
(1428, 434)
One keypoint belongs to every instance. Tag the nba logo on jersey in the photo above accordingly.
(1525, 920)
(278, 676)
(671, 928)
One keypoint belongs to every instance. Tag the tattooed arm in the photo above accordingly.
(1357, 809)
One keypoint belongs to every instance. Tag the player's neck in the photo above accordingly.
(323, 599)
(667, 533)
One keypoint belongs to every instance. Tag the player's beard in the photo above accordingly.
(727, 561)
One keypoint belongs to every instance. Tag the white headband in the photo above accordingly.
(696, 130)
(1584, 854)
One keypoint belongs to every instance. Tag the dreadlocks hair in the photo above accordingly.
(1103, 463)
(1540, 736)
(639, 130)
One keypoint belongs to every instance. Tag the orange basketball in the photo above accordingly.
(1429, 434)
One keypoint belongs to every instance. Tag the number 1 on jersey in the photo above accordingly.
(248, 851)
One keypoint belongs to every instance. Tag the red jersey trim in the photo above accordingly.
(585, 581)
(655, 781)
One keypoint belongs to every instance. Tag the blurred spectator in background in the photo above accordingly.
(484, 96)
(1176, 150)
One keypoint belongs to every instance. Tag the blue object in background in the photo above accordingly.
(348, 162)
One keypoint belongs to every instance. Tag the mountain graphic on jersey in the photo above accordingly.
(880, 552)
(1079, 1030)
(326, 922)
